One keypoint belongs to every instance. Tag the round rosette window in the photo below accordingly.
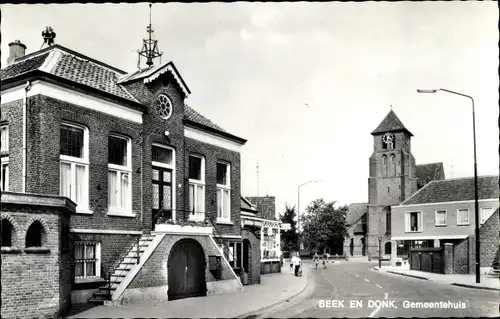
(164, 106)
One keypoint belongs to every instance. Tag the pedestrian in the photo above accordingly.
(296, 264)
(316, 260)
(291, 262)
(325, 258)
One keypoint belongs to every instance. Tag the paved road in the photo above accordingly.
(357, 282)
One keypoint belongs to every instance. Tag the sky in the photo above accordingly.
(306, 83)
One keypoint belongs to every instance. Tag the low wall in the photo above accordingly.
(36, 280)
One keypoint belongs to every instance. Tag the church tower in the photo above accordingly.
(392, 179)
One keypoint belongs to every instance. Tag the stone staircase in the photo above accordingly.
(131, 260)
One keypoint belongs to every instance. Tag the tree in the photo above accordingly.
(324, 226)
(290, 237)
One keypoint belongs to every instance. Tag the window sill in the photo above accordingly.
(463, 224)
(36, 250)
(443, 225)
(224, 222)
(83, 211)
(413, 231)
(117, 214)
(10, 250)
(89, 280)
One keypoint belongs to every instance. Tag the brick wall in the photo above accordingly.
(464, 253)
(34, 279)
(45, 117)
(212, 154)
(154, 273)
(113, 249)
(266, 205)
(253, 256)
(461, 262)
(12, 114)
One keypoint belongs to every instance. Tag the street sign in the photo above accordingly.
(285, 226)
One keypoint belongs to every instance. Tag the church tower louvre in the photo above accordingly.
(392, 179)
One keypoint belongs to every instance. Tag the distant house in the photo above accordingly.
(443, 212)
(258, 215)
(356, 229)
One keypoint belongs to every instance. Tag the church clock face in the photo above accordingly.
(388, 139)
(164, 106)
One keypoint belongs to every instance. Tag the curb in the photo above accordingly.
(474, 287)
(255, 313)
(402, 274)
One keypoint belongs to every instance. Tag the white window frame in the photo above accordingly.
(169, 166)
(483, 220)
(419, 221)
(468, 217)
(198, 216)
(4, 130)
(224, 188)
(122, 169)
(97, 263)
(5, 162)
(445, 217)
(82, 208)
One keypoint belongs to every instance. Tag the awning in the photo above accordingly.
(423, 237)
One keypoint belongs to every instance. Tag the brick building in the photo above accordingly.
(394, 177)
(36, 258)
(443, 212)
(156, 184)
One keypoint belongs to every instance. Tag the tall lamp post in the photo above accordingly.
(478, 277)
(298, 209)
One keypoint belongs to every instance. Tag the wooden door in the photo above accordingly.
(186, 270)
(161, 194)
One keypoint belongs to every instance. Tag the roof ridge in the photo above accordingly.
(429, 163)
(464, 178)
(19, 60)
(418, 191)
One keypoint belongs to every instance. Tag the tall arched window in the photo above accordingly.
(34, 235)
(384, 165)
(7, 229)
(388, 221)
(393, 165)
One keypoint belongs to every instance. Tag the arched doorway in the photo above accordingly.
(247, 256)
(186, 270)
(388, 248)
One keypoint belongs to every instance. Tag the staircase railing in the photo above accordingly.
(116, 267)
(221, 242)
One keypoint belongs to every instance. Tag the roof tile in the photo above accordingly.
(390, 123)
(23, 66)
(191, 115)
(355, 212)
(428, 172)
(456, 190)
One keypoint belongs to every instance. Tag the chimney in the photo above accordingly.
(48, 37)
(16, 50)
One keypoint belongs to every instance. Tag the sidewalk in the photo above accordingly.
(469, 281)
(274, 289)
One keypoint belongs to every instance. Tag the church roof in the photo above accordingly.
(355, 212)
(456, 190)
(429, 172)
(390, 123)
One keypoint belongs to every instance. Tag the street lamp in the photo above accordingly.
(478, 277)
(298, 208)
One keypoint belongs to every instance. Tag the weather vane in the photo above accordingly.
(150, 48)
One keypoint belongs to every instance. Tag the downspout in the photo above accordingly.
(25, 120)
